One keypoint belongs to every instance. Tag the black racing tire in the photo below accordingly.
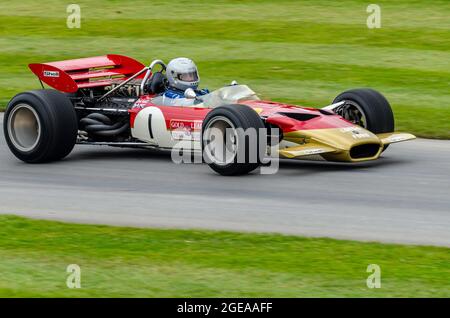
(239, 116)
(374, 106)
(52, 127)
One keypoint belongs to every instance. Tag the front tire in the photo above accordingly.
(228, 139)
(40, 126)
(367, 108)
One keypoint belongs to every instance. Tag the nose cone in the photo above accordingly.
(351, 143)
(343, 138)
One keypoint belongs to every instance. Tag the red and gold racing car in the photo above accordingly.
(113, 100)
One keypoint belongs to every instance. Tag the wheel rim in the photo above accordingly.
(352, 112)
(24, 127)
(221, 141)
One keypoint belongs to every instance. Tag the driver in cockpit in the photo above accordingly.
(182, 74)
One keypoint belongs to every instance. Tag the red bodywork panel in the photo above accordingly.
(267, 109)
(169, 112)
(321, 120)
(71, 75)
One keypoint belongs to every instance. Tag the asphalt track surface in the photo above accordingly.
(404, 197)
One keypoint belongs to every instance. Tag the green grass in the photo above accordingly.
(131, 262)
(304, 52)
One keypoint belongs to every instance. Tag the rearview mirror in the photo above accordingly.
(190, 94)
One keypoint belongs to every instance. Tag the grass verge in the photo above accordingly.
(302, 52)
(131, 262)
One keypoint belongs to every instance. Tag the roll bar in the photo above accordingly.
(147, 69)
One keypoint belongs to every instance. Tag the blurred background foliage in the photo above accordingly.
(303, 52)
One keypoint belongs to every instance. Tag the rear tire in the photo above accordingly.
(237, 119)
(40, 126)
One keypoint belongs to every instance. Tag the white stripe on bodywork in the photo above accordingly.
(162, 136)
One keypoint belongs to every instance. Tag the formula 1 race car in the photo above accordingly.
(112, 100)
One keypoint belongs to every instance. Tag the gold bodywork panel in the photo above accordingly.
(351, 144)
(305, 150)
(390, 138)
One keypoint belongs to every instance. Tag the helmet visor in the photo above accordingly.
(188, 77)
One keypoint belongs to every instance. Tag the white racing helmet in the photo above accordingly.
(182, 74)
